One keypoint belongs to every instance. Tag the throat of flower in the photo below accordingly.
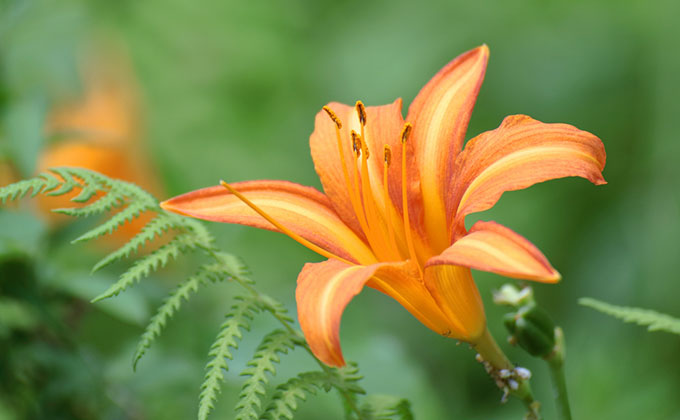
(304, 242)
(374, 209)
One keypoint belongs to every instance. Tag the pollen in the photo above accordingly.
(388, 155)
(333, 117)
(357, 146)
(406, 132)
(361, 111)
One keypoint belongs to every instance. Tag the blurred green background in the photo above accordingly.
(229, 91)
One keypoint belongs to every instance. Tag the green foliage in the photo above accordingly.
(381, 407)
(231, 332)
(99, 194)
(654, 321)
(284, 402)
(266, 356)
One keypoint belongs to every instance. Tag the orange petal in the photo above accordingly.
(303, 210)
(402, 282)
(455, 292)
(383, 127)
(493, 247)
(323, 291)
(440, 115)
(518, 154)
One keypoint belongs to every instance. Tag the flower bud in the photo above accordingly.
(532, 329)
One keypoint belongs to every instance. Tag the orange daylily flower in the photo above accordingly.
(101, 130)
(396, 196)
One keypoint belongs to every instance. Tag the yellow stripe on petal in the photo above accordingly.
(492, 247)
(455, 292)
(518, 154)
(440, 114)
(303, 210)
(323, 291)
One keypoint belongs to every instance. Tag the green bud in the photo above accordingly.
(533, 330)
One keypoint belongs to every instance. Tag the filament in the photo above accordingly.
(293, 235)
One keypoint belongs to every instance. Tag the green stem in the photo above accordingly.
(488, 349)
(556, 363)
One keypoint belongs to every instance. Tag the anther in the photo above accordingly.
(356, 142)
(361, 111)
(388, 155)
(332, 116)
(406, 132)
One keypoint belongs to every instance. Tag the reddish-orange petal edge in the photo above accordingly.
(302, 210)
(323, 291)
(518, 154)
(440, 114)
(493, 247)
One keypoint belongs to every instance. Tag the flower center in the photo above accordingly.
(376, 223)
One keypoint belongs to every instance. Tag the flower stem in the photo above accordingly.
(495, 361)
(556, 363)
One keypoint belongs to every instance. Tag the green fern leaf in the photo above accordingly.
(385, 407)
(231, 331)
(150, 263)
(156, 227)
(37, 185)
(259, 368)
(654, 321)
(171, 305)
(284, 402)
(102, 205)
(126, 215)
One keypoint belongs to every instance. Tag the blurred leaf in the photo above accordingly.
(654, 321)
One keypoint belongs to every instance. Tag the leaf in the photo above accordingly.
(382, 407)
(284, 402)
(156, 227)
(171, 305)
(654, 321)
(148, 264)
(231, 331)
(260, 367)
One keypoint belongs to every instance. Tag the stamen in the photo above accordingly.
(283, 229)
(361, 111)
(405, 132)
(353, 193)
(333, 117)
(386, 197)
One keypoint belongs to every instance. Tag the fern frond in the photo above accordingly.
(347, 378)
(231, 331)
(259, 368)
(156, 227)
(37, 185)
(385, 407)
(150, 263)
(276, 308)
(654, 321)
(102, 205)
(284, 402)
(129, 213)
(171, 305)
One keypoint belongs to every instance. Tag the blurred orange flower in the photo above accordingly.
(396, 196)
(102, 131)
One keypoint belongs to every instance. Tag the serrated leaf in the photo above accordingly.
(231, 332)
(171, 305)
(259, 368)
(148, 264)
(654, 321)
(284, 402)
(156, 227)
(385, 407)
